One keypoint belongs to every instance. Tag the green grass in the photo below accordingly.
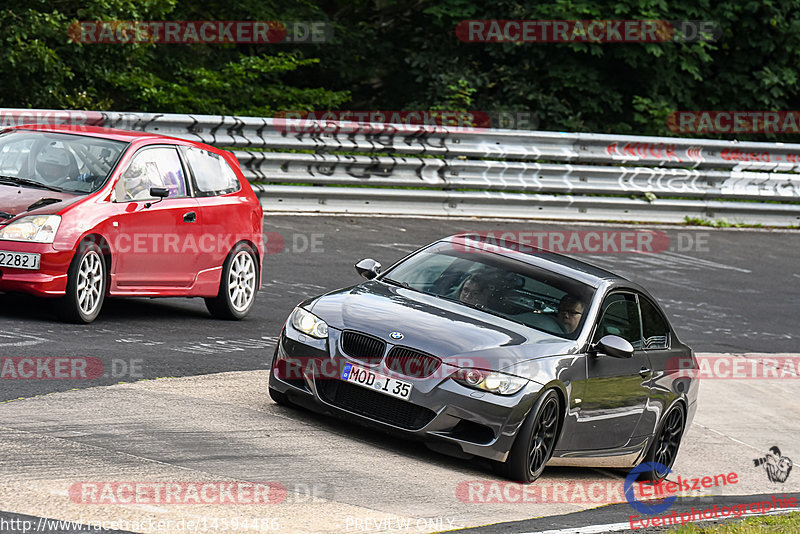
(721, 223)
(788, 524)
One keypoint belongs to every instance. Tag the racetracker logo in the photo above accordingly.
(732, 367)
(68, 368)
(17, 117)
(586, 31)
(199, 32)
(161, 493)
(563, 491)
(349, 121)
(584, 242)
(207, 243)
(734, 122)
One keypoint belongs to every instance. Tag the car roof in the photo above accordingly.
(127, 136)
(564, 265)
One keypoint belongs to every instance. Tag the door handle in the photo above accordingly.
(644, 371)
(189, 217)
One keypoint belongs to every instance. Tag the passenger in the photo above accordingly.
(570, 310)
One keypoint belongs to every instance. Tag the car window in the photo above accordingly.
(71, 162)
(654, 326)
(212, 174)
(620, 317)
(501, 286)
(151, 167)
(14, 156)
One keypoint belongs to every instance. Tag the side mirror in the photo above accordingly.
(614, 346)
(368, 268)
(159, 192)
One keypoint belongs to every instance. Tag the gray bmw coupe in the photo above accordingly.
(488, 349)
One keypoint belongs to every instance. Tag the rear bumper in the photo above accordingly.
(49, 280)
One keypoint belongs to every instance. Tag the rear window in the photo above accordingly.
(212, 174)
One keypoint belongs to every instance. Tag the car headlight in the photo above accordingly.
(308, 323)
(33, 228)
(490, 381)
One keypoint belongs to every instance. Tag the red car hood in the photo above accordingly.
(15, 200)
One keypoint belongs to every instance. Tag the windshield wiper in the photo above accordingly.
(395, 283)
(15, 180)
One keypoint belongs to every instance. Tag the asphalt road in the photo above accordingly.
(724, 290)
(731, 291)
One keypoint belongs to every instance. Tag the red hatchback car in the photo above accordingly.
(92, 212)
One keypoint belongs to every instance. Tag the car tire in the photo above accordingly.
(535, 441)
(237, 285)
(666, 443)
(86, 286)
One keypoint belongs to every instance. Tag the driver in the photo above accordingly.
(570, 310)
(53, 163)
(476, 291)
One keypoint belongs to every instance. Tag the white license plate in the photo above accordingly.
(376, 381)
(19, 260)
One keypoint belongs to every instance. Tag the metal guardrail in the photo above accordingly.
(436, 170)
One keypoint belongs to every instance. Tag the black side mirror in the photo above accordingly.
(157, 192)
(368, 268)
(614, 346)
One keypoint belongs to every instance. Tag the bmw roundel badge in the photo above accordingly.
(396, 335)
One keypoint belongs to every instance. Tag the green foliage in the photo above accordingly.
(753, 525)
(396, 55)
(43, 68)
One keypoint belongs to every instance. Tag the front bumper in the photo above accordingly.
(49, 280)
(439, 409)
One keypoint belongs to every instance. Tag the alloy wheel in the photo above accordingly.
(242, 280)
(90, 282)
(544, 435)
(668, 440)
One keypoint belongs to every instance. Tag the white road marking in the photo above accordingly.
(26, 341)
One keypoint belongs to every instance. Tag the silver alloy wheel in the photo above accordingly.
(90, 282)
(242, 281)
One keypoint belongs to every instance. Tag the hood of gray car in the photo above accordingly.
(458, 334)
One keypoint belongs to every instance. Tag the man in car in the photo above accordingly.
(476, 290)
(53, 163)
(570, 310)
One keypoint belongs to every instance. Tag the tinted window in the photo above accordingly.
(151, 167)
(74, 163)
(654, 326)
(501, 286)
(212, 174)
(620, 317)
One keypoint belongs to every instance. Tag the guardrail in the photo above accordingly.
(440, 171)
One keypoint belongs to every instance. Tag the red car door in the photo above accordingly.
(157, 240)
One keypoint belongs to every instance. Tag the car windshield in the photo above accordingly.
(65, 162)
(512, 289)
